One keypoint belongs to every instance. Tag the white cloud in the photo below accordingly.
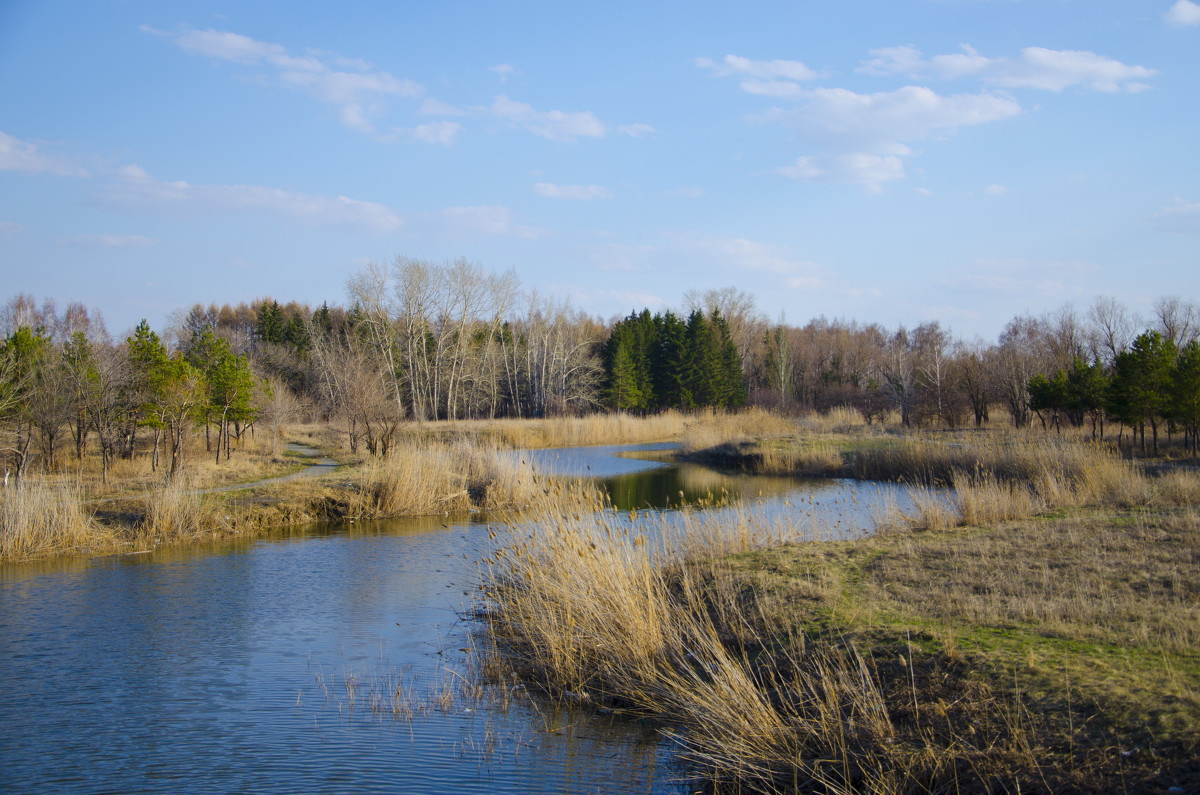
(432, 107)
(576, 192)
(505, 71)
(555, 125)
(438, 132)
(995, 190)
(777, 78)
(860, 167)
(863, 135)
(1036, 67)
(18, 155)
(762, 70)
(1183, 14)
(880, 122)
(1179, 217)
(636, 130)
(486, 220)
(862, 138)
(351, 85)
(923, 191)
(110, 241)
(137, 188)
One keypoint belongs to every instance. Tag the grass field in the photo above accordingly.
(1034, 629)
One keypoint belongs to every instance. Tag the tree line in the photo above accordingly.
(417, 341)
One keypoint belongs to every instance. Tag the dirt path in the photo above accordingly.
(315, 469)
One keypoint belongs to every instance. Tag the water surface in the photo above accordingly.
(225, 668)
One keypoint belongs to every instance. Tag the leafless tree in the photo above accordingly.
(276, 406)
(746, 323)
(1111, 329)
(1177, 320)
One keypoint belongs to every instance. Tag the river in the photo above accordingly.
(273, 665)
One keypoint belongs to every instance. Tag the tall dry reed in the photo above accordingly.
(176, 511)
(596, 608)
(430, 477)
(40, 516)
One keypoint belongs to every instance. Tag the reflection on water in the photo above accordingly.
(225, 668)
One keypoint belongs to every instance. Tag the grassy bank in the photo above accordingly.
(960, 650)
(432, 468)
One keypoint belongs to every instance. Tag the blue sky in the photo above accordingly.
(890, 161)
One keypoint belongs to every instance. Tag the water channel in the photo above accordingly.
(270, 665)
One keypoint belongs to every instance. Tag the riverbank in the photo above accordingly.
(1034, 630)
(433, 468)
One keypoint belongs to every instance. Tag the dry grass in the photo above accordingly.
(712, 429)
(39, 517)
(1025, 656)
(175, 512)
(598, 611)
(422, 478)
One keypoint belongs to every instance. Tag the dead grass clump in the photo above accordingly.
(819, 459)
(710, 429)
(423, 478)
(41, 517)
(599, 610)
(986, 500)
(1178, 487)
(177, 511)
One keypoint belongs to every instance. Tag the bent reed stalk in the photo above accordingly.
(598, 609)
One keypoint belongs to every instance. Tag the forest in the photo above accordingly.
(415, 340)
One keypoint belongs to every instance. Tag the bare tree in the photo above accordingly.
(1111, 329)
(900, 374)
(746, 324)
(276, 406)
(1178, 320)
(110, 401)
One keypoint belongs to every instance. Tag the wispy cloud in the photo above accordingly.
(1181, 216)
(863, 138)
(576, 192)
(636, 130)
(433, 107)
(504, 71)
(556, 125)
(484, 220)
(438, 132)
(109, 241)
(352, 86)
(757, 70)
(995, 190)
(136, 188)
(18, 155)
(1035, 67)
(859, 137)
(774, 78)
(1183, 14)
(733, 254)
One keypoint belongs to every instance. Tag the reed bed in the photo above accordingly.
(177, 511)
(714, 429)
(423, 478)
(596, 608)
(43, 517)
